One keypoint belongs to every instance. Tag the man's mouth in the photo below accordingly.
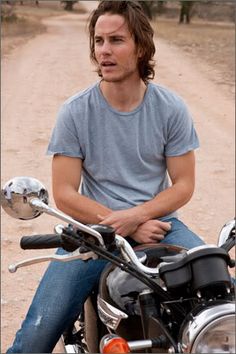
(107, 64)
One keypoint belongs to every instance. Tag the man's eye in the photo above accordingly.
(117, 39)
(98, 40)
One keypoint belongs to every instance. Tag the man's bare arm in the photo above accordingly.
(181, 170)
(66, 177)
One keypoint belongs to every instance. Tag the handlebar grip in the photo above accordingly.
(40, 242)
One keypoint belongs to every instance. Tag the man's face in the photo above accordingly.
(115, 50)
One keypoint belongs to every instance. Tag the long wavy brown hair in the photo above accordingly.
(139, 28)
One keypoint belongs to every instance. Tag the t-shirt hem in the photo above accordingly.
(182, 152)
(63, 153)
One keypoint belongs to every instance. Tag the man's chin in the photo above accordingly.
(109, 78)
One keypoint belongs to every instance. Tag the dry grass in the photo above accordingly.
(211, 42)
(16, 33)
(28, 19)
(28, 22)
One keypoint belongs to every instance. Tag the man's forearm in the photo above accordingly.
(166, 202)
(88, 211)
(80, 207)
(127, 221)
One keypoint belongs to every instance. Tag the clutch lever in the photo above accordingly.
(61, 258)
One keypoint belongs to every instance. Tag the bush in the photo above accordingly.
(8, 13)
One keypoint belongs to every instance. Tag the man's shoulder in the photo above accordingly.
(166, 95)
(82, 96)
(164, 92)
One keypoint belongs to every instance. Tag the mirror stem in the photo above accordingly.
(37, 204)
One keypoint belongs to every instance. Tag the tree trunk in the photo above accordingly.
(69, 5)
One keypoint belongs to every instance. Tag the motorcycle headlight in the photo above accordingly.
(210, 331)
(217, 337)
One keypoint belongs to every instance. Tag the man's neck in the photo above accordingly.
(123, 97)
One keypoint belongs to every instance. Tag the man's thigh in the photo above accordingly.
(181, 235)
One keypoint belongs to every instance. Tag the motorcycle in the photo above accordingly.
(153, 298)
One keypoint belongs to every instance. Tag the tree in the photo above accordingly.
(161, 6)
(147, 8)
(151, 8)
(68, 5)
(185, 11)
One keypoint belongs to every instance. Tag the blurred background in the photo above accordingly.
(201, 28)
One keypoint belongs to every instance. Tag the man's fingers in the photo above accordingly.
(157, 237)
(101, 217)
(165, 225)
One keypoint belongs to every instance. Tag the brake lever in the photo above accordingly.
(61, 258)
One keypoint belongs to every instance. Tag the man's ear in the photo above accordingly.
(140, 53)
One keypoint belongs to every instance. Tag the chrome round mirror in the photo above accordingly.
(16, 195)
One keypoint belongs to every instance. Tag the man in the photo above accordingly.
(127, 138)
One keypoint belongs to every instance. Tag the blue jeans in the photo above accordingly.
(63, 290)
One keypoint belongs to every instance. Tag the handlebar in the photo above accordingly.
(55, 241)
(103, 242)
(41, 242)
(40, 206)
(102, 236)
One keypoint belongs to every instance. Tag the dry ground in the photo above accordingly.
(210, 42)
(29, 22)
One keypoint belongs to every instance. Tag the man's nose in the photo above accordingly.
(106, 48)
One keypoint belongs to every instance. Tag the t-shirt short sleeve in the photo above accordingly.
(181, 134)
(64, 139)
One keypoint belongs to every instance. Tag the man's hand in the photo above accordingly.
(130, 223)
(125, 222)
(152, 231)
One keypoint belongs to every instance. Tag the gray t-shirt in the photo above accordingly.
(123, 153)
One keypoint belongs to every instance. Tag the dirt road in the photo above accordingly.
(36, 78)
